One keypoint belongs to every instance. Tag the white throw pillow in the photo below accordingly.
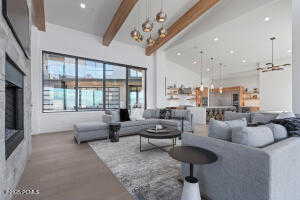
(284, 115)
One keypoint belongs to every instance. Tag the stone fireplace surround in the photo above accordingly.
(12, 168)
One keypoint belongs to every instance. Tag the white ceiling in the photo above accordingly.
(239, 25)
(97, 15)
(248, 36)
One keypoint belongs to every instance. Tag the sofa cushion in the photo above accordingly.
(263, 117)
(179, 114)
(223, 129)
(151, 113)
(90, 126)
(284, 115)
(260, 136)
(279, 131)
(229, 115)
(115, 115)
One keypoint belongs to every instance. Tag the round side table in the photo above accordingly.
(114, 132)
(192, 156)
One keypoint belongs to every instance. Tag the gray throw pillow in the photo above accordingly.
(229, 115)
(150, 113)
(284, 115)
(263, 117)
(223, 129)
(279, 131)
(260, 136)
(115, 115)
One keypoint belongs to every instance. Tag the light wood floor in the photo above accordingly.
(63, 170)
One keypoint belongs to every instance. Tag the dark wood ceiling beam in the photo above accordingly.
(184, 21)
(118, 20)
(39, 14)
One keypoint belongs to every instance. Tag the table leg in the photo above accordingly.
(191, 189)
(140, 144)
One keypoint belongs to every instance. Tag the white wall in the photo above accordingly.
(276, 90)
(296, 56)
(174, 74)
(67, 41)
(247, 81)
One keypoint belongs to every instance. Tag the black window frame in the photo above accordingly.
(128, 67)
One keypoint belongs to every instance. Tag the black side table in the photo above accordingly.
(192, 156)
(114, 132)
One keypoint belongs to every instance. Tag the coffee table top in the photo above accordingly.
(172, 133)
(193, 155)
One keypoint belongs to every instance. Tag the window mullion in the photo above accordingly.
(104, 86)
(76, 84)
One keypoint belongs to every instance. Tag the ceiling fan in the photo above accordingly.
(270, 66)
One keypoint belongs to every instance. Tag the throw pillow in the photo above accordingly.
(260, 136)
(223, 129)
(229, 115)
(279, 131)
(165, 114)
(115, 115)
(148, 113)
(124, 115)
(284, 115)
(263, 117)
(219, 130)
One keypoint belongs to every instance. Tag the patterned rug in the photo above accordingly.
(150, 175)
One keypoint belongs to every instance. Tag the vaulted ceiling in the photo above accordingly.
(238, 24)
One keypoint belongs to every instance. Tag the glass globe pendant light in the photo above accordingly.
(201, 85)
(221, 79)
(212, 86)
(150, 41)
(161, 17)
(162, 32)
(135, 34)
(147, 26)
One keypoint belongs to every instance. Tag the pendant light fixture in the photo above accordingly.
(221, 79)
(162, 32)
(147, 26)
(201, 85)
(135, 33)
(150, 41)
(212, 86)
(161, 17)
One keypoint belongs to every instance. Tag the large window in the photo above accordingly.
(77, 84)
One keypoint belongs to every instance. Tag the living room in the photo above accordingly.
(107, 99)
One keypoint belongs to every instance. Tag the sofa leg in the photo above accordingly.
(76, 140)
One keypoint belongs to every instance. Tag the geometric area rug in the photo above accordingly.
(149, 175)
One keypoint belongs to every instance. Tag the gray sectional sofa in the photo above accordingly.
(248, 173)
(100, 130)
(254, 163)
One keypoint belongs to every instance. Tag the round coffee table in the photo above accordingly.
(168, 134)
(192, 156)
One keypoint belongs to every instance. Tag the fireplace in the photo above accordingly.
(14, 106)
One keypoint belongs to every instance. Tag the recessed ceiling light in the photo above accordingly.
(267, 19)
(208, 69)
(178, 54)
(244, 61)
(289, 51)
(195, 62)
(216, 39)
(231, 52)
(82, 5)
